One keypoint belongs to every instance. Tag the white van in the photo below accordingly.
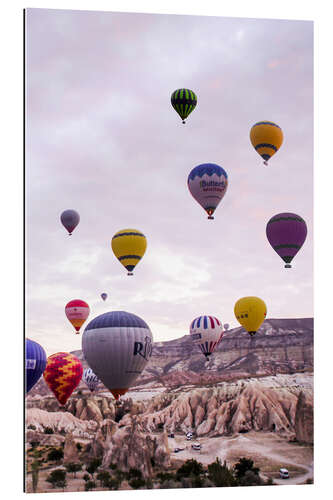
(189, 436)
(284, 473)
(196, 446)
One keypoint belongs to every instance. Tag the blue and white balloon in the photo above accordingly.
(206, 332)
(208, 184)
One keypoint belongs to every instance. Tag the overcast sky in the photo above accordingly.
(103, 138)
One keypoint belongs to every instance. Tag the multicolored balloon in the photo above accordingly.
(90, 379)
(77, 311)
(266, 138)
(250, 313)
(35, 363)
(208, 184)
(62, 374)
(129, 246)
(206, 332)
(117, 346)
(183, 101)
(286, 233)
(70, 219)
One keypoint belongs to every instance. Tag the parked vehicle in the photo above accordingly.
(189, 436)
(196, 446)
(284, 473)
(177, 450)
(171, 435)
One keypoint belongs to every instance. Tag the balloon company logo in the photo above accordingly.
(212, 185)
(30, 364)
(143, 349)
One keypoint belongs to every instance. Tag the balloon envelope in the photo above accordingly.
(117, 346)
(90, 379)
(266, 138)
(62, 374)
(286, 233)
(77, 311)
(208, 184)
(183, 101)
(250, 313)
(70, 219)
(206, 332)
(104, 296)
(129, 246)
(226, 326)
(35, 363)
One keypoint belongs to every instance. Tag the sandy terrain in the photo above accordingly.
(269, 452)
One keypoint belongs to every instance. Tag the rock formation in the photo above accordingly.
(304, 418)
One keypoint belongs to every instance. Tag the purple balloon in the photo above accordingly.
(70, 219)
(286, 233)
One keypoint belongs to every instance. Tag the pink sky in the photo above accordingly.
(102, 138)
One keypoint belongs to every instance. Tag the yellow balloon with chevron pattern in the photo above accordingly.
(266, 138)
(129, 246)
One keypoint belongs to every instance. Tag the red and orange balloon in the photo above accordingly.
(62, 374)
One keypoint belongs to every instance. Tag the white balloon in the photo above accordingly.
(206, 332)
(90, 379)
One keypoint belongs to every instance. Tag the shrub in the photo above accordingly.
(48, 430)
(55, 454)
(89, 485)
(190, 467)
(73, 467)
(220, 475)
(57, 478)
(104, 478)
(137, 483)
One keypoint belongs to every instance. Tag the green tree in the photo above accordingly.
(220, 475)
(243, 465)
(78, 446)
(89, 485)
(93, 466)
(48, 430)
(73, 467)
(190, 467)
(55, 454)
(137, 483)
(104, 477)
(57, 478)
(134, 474)
(34, 472)
(113, 483)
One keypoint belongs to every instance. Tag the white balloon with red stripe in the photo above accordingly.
(206, 332)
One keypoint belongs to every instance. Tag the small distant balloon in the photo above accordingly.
(250, 313)
(129, 246)
(183, 101)
(286, 233)
(104, 296)
(35, 363)
(62, 374)
(266, 138)
(208, 184)
(70, 219)
(90, 379)
(206, 332)
(77, 311)
(226, 326)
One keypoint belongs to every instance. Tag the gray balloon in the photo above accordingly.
(70, 219)
(117, 345)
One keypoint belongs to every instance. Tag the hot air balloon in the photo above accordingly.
(286, 234)
(77, 311)
(207, 184)
(206, 332)
(62, 374)
(266, 138)
(226, 326)
(104, 296)
(250, 313)
(183, 101)
(90, 379)
(117, 346)
(35, 362)
(70, 219)
(129, 246)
